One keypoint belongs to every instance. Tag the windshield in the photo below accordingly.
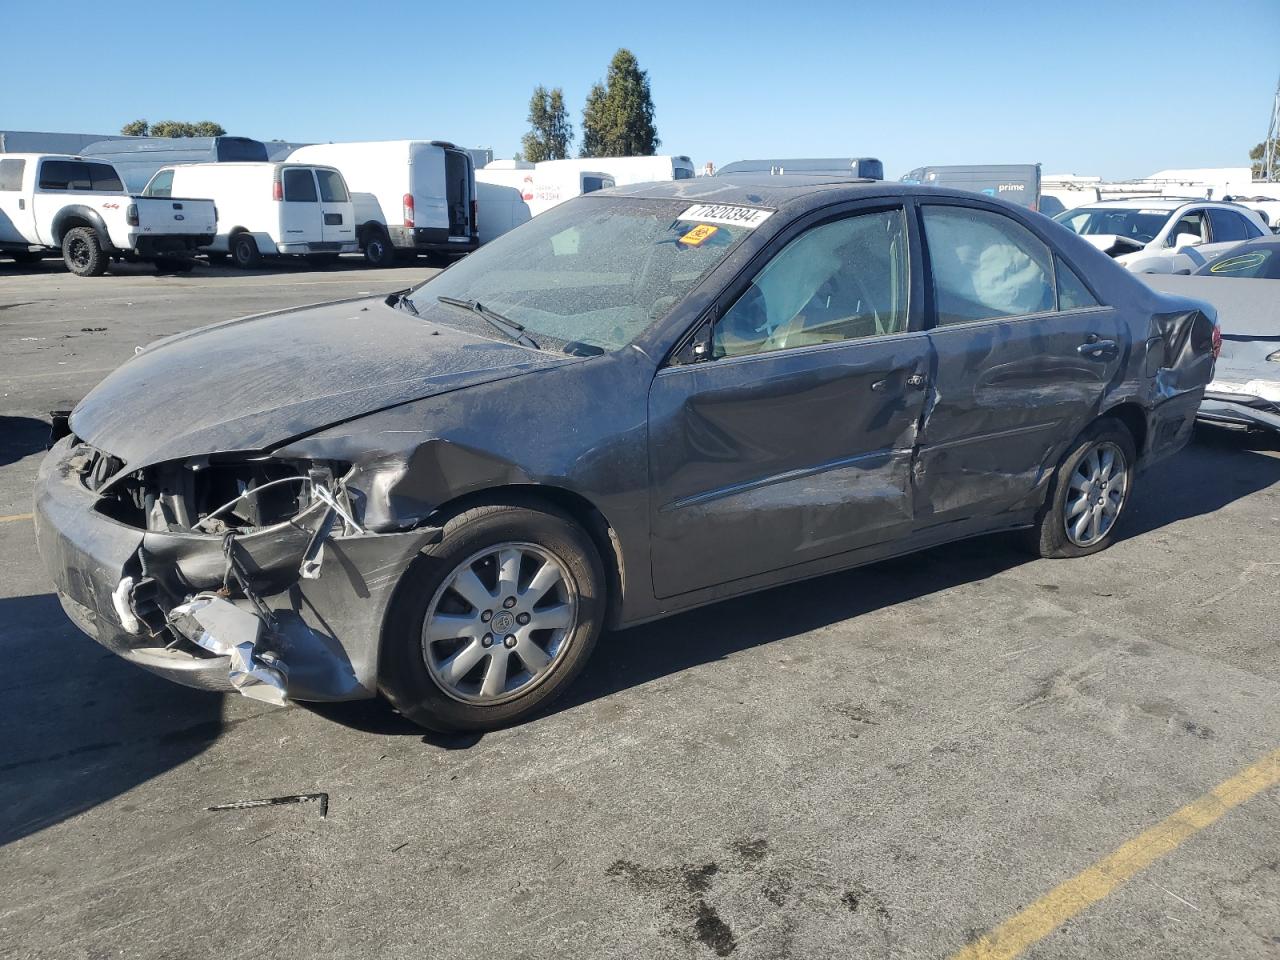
(596, 270)
(1258, 263)
(1138, 225)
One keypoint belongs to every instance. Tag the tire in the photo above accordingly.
(83, 253)
(244, 251)
(553, 550)
(378, 249)
(166, 265)
(1075, 484)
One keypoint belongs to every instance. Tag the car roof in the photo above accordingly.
(764, 190)
(1154, 203)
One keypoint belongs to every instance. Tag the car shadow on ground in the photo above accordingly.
(81, 725)
(20, 437)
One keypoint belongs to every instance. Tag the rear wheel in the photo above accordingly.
(1090, 491)
(83, 253)
(495, 620)
(378, 249)
(244, 251)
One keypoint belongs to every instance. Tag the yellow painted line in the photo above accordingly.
(1079, 893)
(16, 517)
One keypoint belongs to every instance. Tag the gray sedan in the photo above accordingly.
(644, 400)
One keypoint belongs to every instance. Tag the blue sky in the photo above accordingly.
(1118, 89)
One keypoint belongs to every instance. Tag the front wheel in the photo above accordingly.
(83, 253)
(494, 621)
(1089, 493)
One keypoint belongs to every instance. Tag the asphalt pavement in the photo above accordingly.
(889, 762)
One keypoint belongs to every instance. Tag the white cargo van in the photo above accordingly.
(412, 196)
(267, 209)
(626, 170)
(513, 191)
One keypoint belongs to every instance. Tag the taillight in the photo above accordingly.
(277, 190)
(475, 214)
(1217, 341)
(131, 215)
(408, 210)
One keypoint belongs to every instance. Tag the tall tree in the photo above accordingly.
(138, 128)
(594, 122)
(617, 120)
(550, 131)
(1258, 155)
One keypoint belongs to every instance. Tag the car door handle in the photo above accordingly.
(1095, 349)
(916, 381)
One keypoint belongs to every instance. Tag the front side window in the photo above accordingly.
(1188, 229)
(11, 174)
(985, 265)
(332, 187)
(161, 185)
(839, 281)
(299, 186)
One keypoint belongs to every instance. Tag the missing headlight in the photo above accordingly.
(216, 496)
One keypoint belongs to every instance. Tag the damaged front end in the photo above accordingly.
(250, 573)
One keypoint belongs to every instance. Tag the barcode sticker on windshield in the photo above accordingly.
(749, 217)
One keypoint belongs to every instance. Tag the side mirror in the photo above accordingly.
(1186, 240)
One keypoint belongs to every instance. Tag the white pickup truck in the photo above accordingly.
(80, 207)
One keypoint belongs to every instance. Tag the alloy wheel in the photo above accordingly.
(500, 623)
(1096, 494)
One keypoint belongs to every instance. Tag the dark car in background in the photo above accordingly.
(644, 400)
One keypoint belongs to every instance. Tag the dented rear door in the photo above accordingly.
(1010, 390)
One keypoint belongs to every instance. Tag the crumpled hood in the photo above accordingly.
(252, 384)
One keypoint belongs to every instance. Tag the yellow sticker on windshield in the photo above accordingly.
(699, 235)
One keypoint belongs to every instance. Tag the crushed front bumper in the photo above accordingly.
(324, 634)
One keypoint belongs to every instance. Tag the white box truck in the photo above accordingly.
(513, 191)
(79, 205)
(268, 209)
(411, 196)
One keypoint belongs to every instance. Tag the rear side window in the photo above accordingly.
(332, 188)
(299, 186)
(161, 185)
(1072, 293)
(985, 265)
(78, 175)
(1228, 226)
(11, 174)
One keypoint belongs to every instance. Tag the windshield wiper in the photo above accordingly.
(402, 301)
(510, 327)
